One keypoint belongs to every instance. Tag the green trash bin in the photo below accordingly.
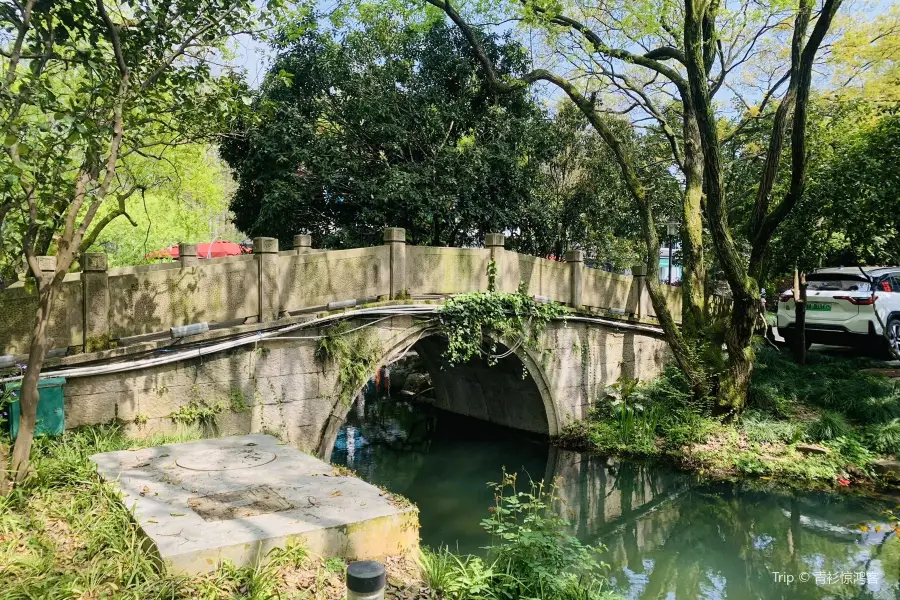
(50, 412)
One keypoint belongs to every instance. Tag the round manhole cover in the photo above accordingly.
(225, 459)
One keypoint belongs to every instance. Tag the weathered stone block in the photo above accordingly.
(394, 234)
(492, 240)
(265, 245)
(93, 261)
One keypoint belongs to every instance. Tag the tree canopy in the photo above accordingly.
(390, 126)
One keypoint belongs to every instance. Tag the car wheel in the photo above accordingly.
(893, 337)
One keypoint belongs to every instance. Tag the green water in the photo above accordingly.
(666, 535)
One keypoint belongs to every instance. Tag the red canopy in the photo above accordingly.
(217, 249)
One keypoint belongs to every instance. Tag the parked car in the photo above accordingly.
(841, 305)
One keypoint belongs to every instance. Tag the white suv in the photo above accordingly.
(841, 305)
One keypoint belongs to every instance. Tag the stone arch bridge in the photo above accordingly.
(256, 366)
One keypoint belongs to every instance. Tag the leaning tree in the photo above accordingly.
(87, 86)
(680, 66)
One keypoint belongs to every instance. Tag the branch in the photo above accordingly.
(762, 106)
(779, 125)
(178, 52)
(806, 59)
(16, 54)
(600, 46)
(666, 53)
(113, 38)
(647, 104)
(90, 238)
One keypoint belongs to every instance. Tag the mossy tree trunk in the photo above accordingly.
(698, 153)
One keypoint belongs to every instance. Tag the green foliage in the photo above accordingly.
(635, 423)
(761, 429)
(99, 88)
(492, 275)
(186, 201)
(356, 354)
(96, 343)
(851, 194)
(198, 412)
(829, 400)
(885, 437)
(237, 402)
(335, 565)
(534, 554)
(515, 319)
(439, 569)
(387, 124)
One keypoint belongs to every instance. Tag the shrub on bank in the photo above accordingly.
(532, 554)
(849, 415)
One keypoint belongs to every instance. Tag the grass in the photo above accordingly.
(65, 534)
(832, 401)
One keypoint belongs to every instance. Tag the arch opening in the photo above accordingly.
(512, 393)
(504, 393)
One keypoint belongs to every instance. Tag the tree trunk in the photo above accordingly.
(28, 395)
(734, 385)
(694, 278)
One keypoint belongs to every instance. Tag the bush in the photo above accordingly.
(534, 555)
(829, 426)
(767, 431)
(885, 437)
(688, 428)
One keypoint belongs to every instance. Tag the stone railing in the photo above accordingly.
(98, 305)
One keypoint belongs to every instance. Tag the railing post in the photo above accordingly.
(395, 237)
(47, 265)
(494, 242)
(187, 255)
(303, 243)
(95, 302)
(266, 251)
(575, 258)
(639, 272)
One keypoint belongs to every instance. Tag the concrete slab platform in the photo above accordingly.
(236, 498)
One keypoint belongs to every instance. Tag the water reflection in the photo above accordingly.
(666, 535)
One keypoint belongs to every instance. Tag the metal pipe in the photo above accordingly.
(255, 338)
(188, 330)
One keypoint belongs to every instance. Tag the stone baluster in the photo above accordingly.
(495, 242)
(395, 237)
(303, 243)
(266, 251)
(638, 303)
(95, 302)
(575, 259)
(187, 255)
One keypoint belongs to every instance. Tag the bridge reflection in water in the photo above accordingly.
(666, 534)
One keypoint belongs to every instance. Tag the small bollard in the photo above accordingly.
(365, 580)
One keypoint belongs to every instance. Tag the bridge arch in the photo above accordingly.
(458, 387)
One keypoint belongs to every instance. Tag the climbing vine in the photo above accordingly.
(355, 353)
(517, 319)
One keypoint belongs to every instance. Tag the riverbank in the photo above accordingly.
(64, 534)
(828, 423)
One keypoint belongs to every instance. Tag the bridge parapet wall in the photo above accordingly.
(99, 306)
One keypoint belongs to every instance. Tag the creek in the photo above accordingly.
(666, 534)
